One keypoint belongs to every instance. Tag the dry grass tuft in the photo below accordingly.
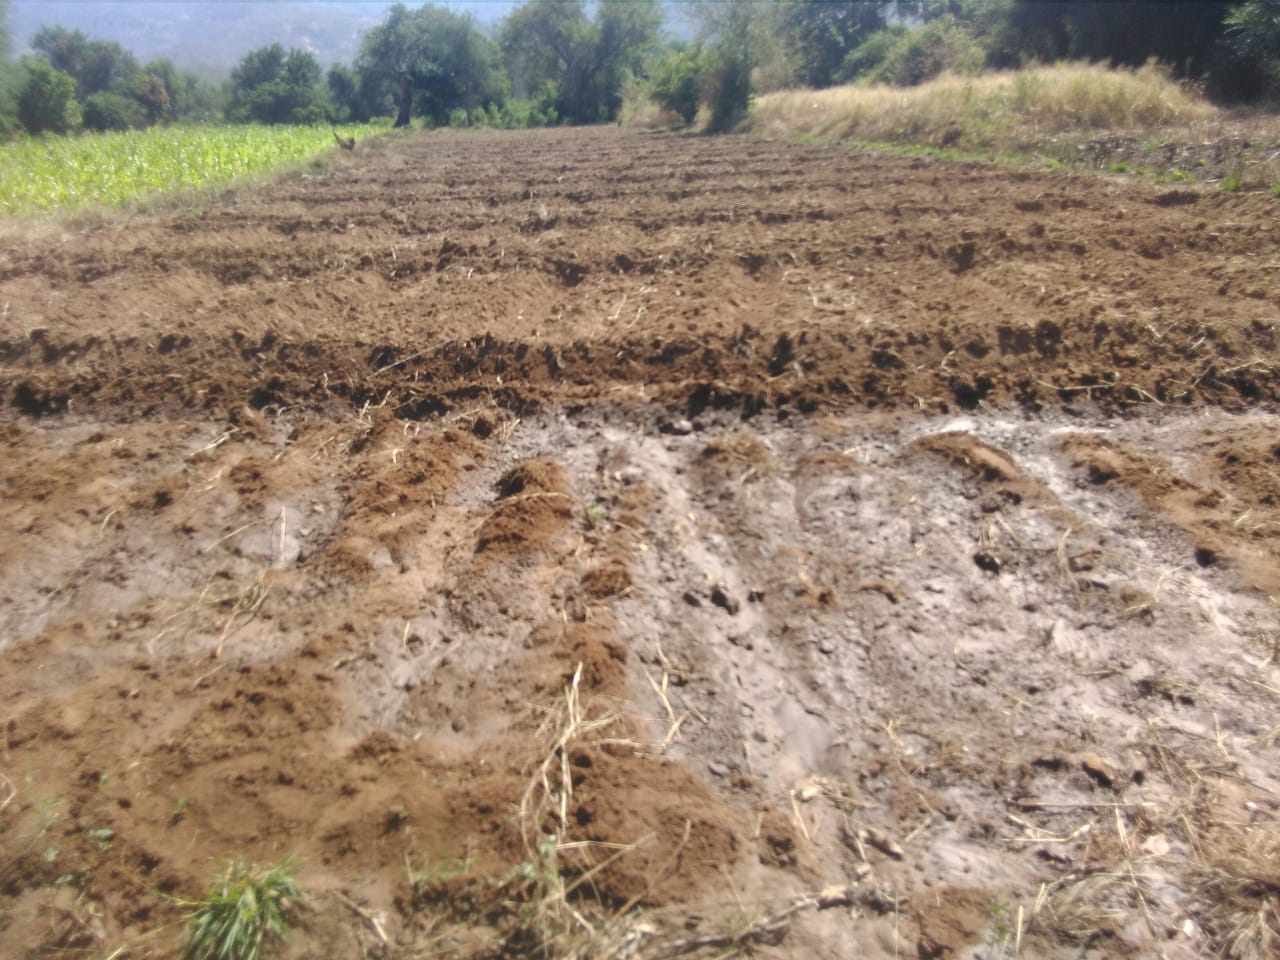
(550, 923)
(1237, 875)
(1002, 109)
(1070, 114)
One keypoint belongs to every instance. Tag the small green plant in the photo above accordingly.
(596, 514)
(545, 890)
(179, 810)
(1230, 183)
(1118, 166)
(1275, 189)
(104, 836)
(19, 839)
(241, 911)
(424, 878)
(1005, 931)
(39, 174)
(999, 917)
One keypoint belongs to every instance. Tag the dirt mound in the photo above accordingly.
(646, 546)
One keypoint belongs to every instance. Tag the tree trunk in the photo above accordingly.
(406, 101)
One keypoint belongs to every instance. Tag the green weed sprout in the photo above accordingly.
(240, 912)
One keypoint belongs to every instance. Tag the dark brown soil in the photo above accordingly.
(697, 523)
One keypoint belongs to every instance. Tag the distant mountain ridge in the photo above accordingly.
(211, 36)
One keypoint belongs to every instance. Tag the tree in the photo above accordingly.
(940, 45)
(547, 48)
(1181, 33)
(430, 56)
(626, 38)
(180, 99)
(96, 65)
(1249, 58)
(552, 46)
(149, 92)
(818, 37)
(731, 31)
(46, 98)
(272, 86)
(9, 76)
(6, 35)
(675, 81)
(344, 93)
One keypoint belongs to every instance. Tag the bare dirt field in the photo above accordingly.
(603, 544)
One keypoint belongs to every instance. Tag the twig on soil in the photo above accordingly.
(1030, 827)
(102, 528)
(767, 930)
(402, 360)
(1085, 388)
(1025, 804)
(1143, 395)
(928, 819)
(797, 816)
(248, 602)
(364, 915)
(217, 441)
(284, 520)
(13, 792)
(676, 723)
(238, 530)
(1064, 563)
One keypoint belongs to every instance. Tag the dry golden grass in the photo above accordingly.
(996, 109)
(1074, 114)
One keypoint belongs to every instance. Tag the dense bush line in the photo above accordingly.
(564, 61)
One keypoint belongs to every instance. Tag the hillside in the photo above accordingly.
(212, 36)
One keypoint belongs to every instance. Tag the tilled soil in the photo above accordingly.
(634, 545)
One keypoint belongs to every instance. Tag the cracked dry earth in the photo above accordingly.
(590, 543)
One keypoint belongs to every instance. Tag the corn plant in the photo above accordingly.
(40, 174)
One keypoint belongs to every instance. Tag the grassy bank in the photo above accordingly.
(43, 174)
(1078, 114)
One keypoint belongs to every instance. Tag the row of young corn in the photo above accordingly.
(42, 174)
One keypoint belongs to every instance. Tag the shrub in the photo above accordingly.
(47, 98)
(110, 111)
(871, 53)
(676, 79)
(9, 79)
(940, 46)
(728, 87)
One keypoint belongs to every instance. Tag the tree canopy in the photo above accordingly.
(271, 85)
(574, 61)
(819, 36)
(47, 98)
(109, 90)
(95, 65)
(553, 50)
(431, 57)
(6, 35)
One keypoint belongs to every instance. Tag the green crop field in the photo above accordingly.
(113, 169)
